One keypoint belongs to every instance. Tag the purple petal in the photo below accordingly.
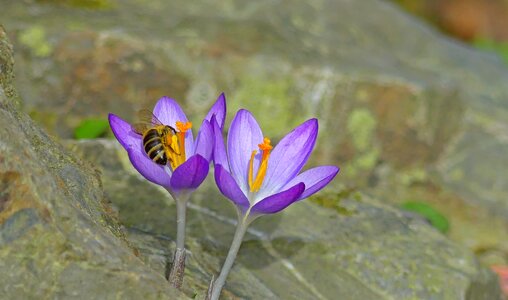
(132, 142)
(219, 110)
(205, 141)
(124, 133)
(229, 188)
(190, 174)
(219, 150)
(314, 179)
(289, 156)
(150, 170)
(278, 202)
(169, 112)
(244, 137)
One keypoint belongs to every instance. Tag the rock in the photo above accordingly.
(408, 114)
(306, 252)
(59, 238)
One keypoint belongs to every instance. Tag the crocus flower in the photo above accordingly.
(190, 168)
(187, 161)
(260, 178)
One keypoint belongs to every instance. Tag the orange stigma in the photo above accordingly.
(183, 127)
(255, 184)
(177, 143)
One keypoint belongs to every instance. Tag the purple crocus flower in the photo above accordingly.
(189, 171)
(180, 166)
(261, 179)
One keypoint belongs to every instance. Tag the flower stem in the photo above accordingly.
(177, 269)
(181, 207)
(233, 251)
(178, 266)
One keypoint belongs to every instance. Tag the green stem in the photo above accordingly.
(228, 263)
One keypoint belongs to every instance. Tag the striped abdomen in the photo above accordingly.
(154, 148)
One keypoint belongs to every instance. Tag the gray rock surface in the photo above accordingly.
(59, 238)
(407, 113)
(356, 248)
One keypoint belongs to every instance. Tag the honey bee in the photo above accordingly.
(158, 139)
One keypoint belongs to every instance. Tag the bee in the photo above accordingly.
(158, 139)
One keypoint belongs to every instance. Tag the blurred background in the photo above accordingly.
(476, 22)
(413, 107)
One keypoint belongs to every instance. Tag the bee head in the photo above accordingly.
(170, 129)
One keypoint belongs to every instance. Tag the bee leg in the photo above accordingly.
(174, 144)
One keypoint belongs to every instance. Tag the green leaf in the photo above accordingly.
(435, 218)
(91, 128)
(501, 48)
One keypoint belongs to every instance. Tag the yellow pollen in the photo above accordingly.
(255, 184)
(177, 144)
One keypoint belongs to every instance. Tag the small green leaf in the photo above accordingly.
(501, 48)
(90, 4)
(435, 218)
(91, 128)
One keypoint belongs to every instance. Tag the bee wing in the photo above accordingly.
(146, 121)
(141, 127)
(146, 116)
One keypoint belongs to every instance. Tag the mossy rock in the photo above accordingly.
(59, 237)
(312, 250)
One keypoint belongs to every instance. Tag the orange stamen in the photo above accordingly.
(181, 143)
(265, 148)
(178, 144)
(251, 167)
(173, 151)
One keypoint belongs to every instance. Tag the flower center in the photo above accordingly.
(255, 184)
(177, 144)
